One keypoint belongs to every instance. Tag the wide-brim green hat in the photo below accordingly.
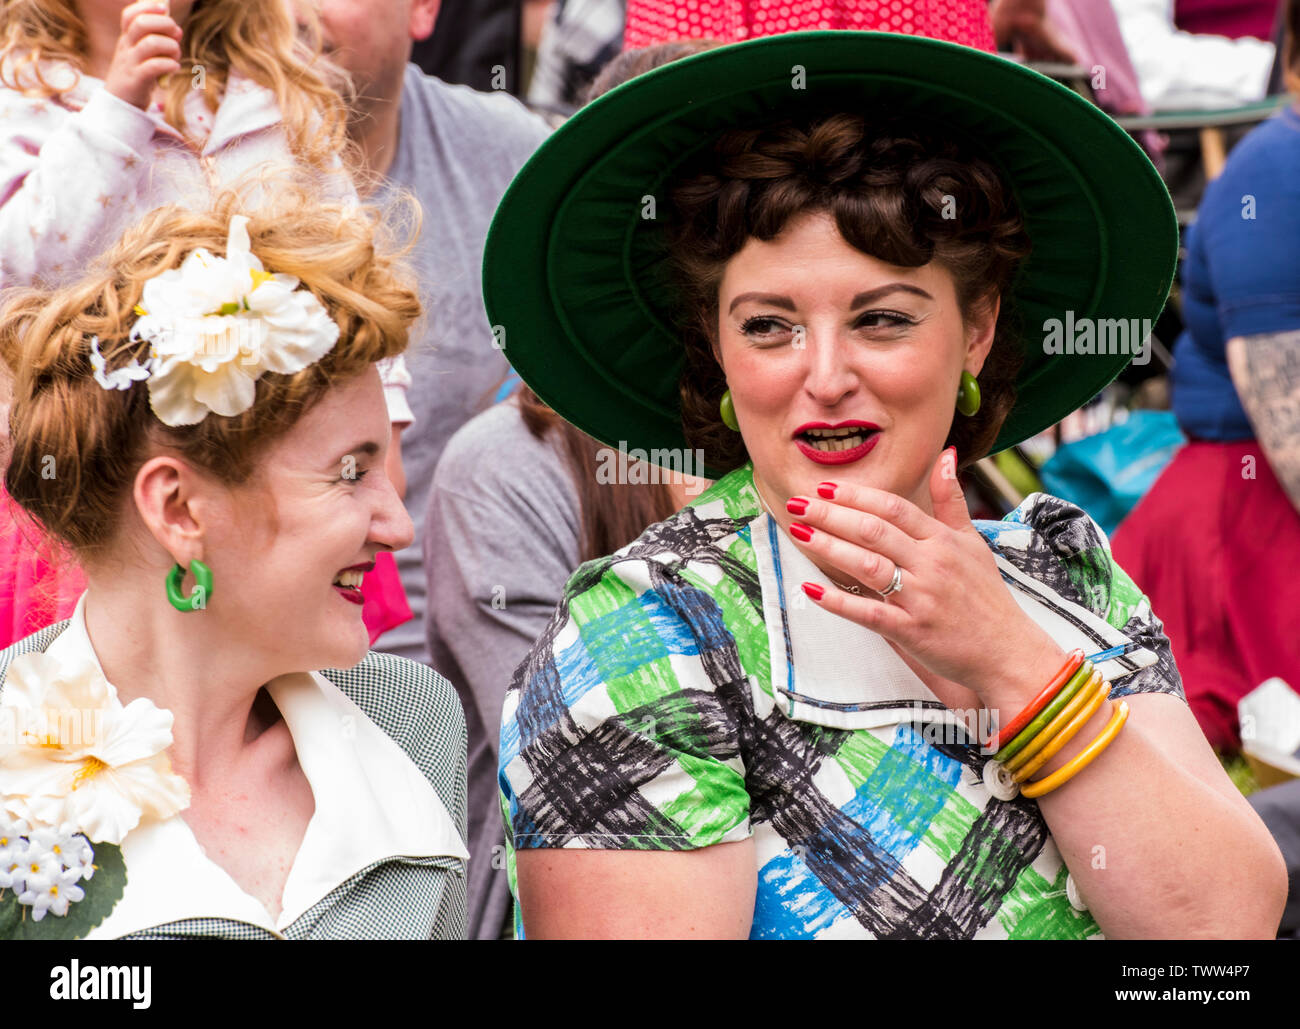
(575, 275)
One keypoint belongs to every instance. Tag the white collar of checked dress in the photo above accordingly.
(372, 803)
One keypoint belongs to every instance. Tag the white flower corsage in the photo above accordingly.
(78, 772)
(215, 325)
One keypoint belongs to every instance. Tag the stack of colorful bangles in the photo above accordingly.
(1051, 720)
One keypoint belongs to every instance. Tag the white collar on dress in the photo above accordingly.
(841, 674)
(372, 803)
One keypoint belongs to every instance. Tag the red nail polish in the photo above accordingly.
(813, 590)
(796, 505)
(801, 532)
(826, 489)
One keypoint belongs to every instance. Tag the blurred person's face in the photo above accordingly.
(371, 39)
(100, 9)
(111, 10)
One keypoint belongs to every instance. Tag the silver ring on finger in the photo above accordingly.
(895, 584)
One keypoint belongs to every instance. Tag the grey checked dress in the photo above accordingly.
(394, 898)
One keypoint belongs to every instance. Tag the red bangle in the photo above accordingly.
(1072, 662)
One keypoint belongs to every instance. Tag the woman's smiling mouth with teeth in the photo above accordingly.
(350, 580)
(833, 440)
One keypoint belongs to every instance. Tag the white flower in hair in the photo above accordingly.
(217, 324)
(121, 378)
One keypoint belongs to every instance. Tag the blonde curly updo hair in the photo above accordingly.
(75, 447)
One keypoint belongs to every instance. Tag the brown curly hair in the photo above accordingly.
(892, 187)
(95, 439)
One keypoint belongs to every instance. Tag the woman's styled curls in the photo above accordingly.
(75, 446)
(899, 191)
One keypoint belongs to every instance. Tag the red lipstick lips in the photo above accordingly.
(353, 593)
(837, 457)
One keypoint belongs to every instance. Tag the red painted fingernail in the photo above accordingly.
(813, 590)
(800, 532)
(826, 489)
(796, 505)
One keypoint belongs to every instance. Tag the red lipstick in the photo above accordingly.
(837, 457)
(353, 593)
(852, 424)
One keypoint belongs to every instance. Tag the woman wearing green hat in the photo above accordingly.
(820, 701)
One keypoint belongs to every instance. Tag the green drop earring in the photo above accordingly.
(968, 394)
(728, 412)
(198, 598)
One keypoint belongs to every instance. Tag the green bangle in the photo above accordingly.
(1053, 708)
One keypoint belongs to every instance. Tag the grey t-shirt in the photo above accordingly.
(500, 542)
(457, 151)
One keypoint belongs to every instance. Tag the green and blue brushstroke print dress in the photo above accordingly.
(685, 694)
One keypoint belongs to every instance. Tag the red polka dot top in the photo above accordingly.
(661, 21)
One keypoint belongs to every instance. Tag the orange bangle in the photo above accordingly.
(1089, 754)
(1072, 662)
(1050, 730)
(1096, 697)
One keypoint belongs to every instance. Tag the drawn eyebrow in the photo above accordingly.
(866, 297)
(367, 449)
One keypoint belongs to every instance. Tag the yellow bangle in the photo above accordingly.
(1085, 758)
(1096, 697)
(1053, 727)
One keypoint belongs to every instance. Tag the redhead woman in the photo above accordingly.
(820, 701)
(201, 420)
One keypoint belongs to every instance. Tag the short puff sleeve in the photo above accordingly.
(1069, 552)
(621, 730)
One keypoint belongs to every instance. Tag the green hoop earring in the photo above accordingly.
(728, 412)
(968, 395)
(198, 598)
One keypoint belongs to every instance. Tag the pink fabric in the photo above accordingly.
(386, 605)
(38, 585)
(1231, 18)
(1092, 31)
(661, 21)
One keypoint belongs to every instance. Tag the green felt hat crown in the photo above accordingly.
(575, 276)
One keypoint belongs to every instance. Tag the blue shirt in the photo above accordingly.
(1241, 276)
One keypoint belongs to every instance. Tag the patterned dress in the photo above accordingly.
(674, 702)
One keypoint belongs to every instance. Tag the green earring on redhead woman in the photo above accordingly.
(968, 395)
(198, 598)
(728, 412)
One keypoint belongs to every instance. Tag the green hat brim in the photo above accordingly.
(575, 276)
